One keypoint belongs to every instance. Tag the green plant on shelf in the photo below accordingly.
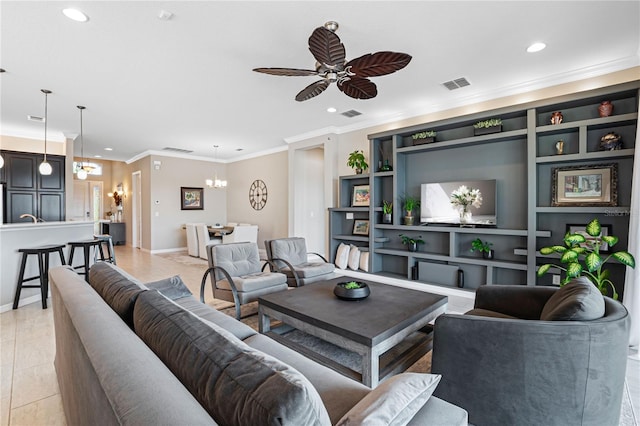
(578, 246)
(424, 135)
(488, 123)
(357, 161)
(481, 246)
(411, 240)
(387, 207)
(410, 204)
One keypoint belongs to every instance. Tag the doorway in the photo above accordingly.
(309, 207)
(87, 202)
(136, 212)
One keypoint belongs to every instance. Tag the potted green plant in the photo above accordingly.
(580, 248)
(483, 247)
(387, 210)
(357, 161)
(424, 137)
(410, 204)
(493, 125)
(412, 243)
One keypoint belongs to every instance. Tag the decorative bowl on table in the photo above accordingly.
(351, 290)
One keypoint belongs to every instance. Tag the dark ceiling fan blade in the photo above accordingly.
(312, 90)
(359, 88)
(379, 63)
(326, 47)
(286, 71)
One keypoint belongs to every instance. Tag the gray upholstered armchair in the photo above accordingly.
(290, 256)
(237, 276)
(506, 366)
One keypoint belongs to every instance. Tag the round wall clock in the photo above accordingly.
(258, 194)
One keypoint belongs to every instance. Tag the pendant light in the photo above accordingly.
(215, 182)
(45, 167)
(82, 173)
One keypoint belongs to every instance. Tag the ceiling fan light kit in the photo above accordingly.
(351, 77)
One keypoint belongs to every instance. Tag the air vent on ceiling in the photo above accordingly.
(351, 113)
(456, 84)
(184, 151)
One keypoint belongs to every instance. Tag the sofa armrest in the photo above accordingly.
(514, 300)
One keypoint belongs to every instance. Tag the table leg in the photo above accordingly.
(370, 369)
(264, 321)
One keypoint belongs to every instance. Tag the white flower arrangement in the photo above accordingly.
(464, 197)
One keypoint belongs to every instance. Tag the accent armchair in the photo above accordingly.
(237, 276)
(290, 256)
(505, 365)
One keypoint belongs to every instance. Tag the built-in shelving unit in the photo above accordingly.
(521, 158)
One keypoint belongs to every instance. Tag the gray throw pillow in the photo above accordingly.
(579, 300)
(394, 402)
(172, 288)
(236, 384)
(117, 288)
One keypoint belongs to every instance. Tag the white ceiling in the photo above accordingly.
(188, 82)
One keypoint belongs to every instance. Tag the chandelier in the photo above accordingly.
(215, 182)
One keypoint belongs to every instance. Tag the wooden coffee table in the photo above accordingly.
(390, 317)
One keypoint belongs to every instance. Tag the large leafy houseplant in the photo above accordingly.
(579, 248)
(357, 161)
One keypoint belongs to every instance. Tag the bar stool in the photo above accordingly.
(105, 239)
(86, 246)
(43, 269)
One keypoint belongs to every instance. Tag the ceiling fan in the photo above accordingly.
(331, 65)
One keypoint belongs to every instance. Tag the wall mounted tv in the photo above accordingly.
(436, 207)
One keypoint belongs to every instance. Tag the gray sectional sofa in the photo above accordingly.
(129, 353)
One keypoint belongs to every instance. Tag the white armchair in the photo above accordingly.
(192, 239)
(204, 240)
(242, 234)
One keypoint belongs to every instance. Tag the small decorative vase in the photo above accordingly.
(412, 246)
(465, 215)
(408, 220)
(386, 218)
(119, 214)
(386, 167)
(610, 142)
(556, 117)
(559, 147)
(358, 171)
(605, 109)
(488, 254)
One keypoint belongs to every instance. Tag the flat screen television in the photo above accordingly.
(436, 207)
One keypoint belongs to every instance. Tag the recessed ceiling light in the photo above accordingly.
(536, 47)
(108, 149)
(331, 109)
(98, 156)
(165, 15)
(75, 15)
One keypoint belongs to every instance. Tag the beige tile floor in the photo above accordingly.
(29, 392)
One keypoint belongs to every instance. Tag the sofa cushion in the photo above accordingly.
(579, 300)
(172, 287)
(234, 383)
(117, 288)
(342, 256)
(354, 257)
(394, 402)
(204, 311)
(487, 313)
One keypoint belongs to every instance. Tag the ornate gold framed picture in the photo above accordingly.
(593, 185)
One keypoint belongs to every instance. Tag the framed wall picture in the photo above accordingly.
(593, 185)
(191, 198)
(580, 229)
(361, 227)
(361, 196)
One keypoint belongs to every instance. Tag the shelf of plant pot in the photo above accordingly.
(619, 120)
(347, 237)
(463, 230)
(587, 156)
(383, 174)
(617, 211)
(461, 259)
(350, 209)
(472, 140)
